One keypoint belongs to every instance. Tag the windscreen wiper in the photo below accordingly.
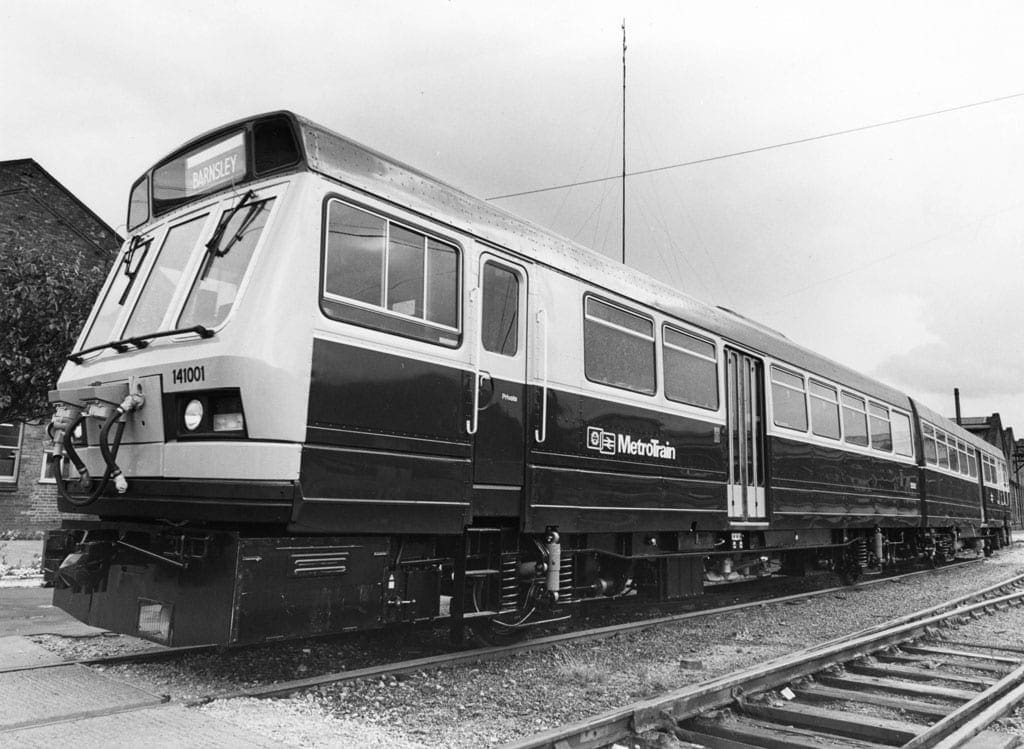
(139, 341)
(213, 246)
(136, 243)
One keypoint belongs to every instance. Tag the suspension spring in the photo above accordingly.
(509, 582)
(861, 550)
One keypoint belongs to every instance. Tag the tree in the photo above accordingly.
(44, 301)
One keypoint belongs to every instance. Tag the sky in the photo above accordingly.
(897, 250)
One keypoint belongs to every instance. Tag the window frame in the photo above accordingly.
(813, 382)
(653, 338)
(667, 326)
(350, 311)
(498, 265)
(863, 411)
(181, 290)
(773, 368)
(267, 199)
(887, 418)
(906, 418)
(7, 482)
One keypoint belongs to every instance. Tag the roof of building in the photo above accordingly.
(37, 167)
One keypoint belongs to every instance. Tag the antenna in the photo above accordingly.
(623, 141)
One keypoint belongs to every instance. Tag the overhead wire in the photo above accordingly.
(975, 224)
(760, 149)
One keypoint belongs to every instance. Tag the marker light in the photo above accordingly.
(227, 414)
(193, 414)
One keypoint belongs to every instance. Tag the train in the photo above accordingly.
(322, 391)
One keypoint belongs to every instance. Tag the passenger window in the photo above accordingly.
(824, 410)
(902, 434)
(355, 254)
(500, 314)
(972, 465)
(380, 274)
(405, 271)
(943, 447)
(618, 347)
(691, 369)
(442, 283)
(789, 403)
(930, 447)
(855, 420)
(881, 431)
(954, 455)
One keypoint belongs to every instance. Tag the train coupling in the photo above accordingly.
(65, 418)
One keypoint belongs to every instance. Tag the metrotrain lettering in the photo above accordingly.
(184, 375)
(611, 443)
(210, 173)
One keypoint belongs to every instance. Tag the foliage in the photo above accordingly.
(44, 300)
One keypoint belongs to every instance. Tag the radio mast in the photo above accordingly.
(623, 141)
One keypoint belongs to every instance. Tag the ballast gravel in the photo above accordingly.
(491, 703)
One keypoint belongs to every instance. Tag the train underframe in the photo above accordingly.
(206, 585)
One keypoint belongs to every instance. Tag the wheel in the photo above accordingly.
(849, 571)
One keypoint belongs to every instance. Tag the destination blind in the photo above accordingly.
(200, 171)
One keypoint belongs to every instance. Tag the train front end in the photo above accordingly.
(179, 418)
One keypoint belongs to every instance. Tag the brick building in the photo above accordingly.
(37, 211)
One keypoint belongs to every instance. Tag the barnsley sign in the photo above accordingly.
(613, 443)
(217, 165)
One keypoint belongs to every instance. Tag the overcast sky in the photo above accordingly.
(896, 250)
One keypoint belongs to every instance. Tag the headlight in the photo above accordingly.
(193, 414)
(206, 414)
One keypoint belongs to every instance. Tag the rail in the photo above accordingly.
(689, 702)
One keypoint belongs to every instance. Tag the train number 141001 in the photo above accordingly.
(188, 374)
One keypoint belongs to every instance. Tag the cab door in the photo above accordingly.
(498, 415)
(744, 388)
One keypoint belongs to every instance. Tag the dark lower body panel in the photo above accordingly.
(192, 586)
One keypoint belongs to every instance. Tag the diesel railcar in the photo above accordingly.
(322, 391)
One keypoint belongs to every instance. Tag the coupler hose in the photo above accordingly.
(109, 454)
(82, 500)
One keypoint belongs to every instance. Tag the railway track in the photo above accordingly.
(936, 695)
(161, 653)
(443, 660)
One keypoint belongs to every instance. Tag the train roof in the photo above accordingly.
(340, 158)
(957, 431)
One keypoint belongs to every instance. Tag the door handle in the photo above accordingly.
(485, 388)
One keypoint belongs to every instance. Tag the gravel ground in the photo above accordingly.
(1002, 628)
(491, 703)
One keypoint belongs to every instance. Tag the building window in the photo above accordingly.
(789, 402)
(824, 410)
(618, 347)
(46, 471)
(691, 369)
(10, 453)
